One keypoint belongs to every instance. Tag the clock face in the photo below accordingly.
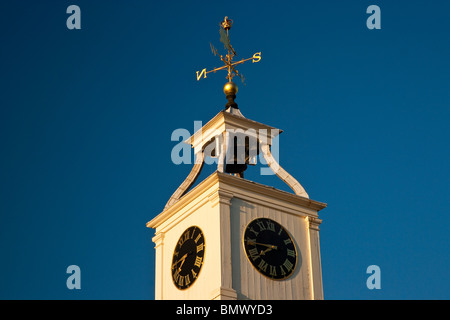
(188, 257)
(270, 248)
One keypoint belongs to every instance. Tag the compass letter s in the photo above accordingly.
(200, 75)
(256, 57)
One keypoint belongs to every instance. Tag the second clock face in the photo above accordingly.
(270, 248)
(188, 257)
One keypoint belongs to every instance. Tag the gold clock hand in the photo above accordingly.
(181, 259)
(179, 268)
(262, 244)
(263, 252)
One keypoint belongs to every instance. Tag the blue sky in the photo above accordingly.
(86, 118)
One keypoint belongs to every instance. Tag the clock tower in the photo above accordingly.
(232, 238)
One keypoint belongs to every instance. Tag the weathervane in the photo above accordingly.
(230, 88)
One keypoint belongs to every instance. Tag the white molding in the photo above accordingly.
(158, 239)
(220, 196)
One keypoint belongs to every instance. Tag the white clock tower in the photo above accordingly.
(231, 238)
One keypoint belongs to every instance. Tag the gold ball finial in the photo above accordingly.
(230, 88)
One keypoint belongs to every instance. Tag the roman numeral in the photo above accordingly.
(198, 262)
(194, 274)
(273, 270)
(250, 241)
(200, 247)
(255, 232)
(287, 241)
(253, 253)
(291, 253)
(186, 235)
(288, 265)
(261, 226)
(176, 275)
(262, 265)
(283, 273)
(198, 237)
(270, 226)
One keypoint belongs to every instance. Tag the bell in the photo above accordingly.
(236, 160)
(235, 168)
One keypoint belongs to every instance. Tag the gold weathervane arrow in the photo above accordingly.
(225, 26)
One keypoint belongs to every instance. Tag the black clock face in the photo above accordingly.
(188, 258)
(270, 248)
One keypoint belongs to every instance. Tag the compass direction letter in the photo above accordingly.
(203, 72)
(256, 57)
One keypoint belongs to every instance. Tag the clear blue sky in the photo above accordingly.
(86, 118)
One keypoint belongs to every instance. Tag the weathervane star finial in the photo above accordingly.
(226, 23)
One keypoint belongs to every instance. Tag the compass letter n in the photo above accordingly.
(200, 75)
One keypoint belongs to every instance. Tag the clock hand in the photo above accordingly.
(263, 252)
(262, 244)
(179, 268)
(181, 259)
